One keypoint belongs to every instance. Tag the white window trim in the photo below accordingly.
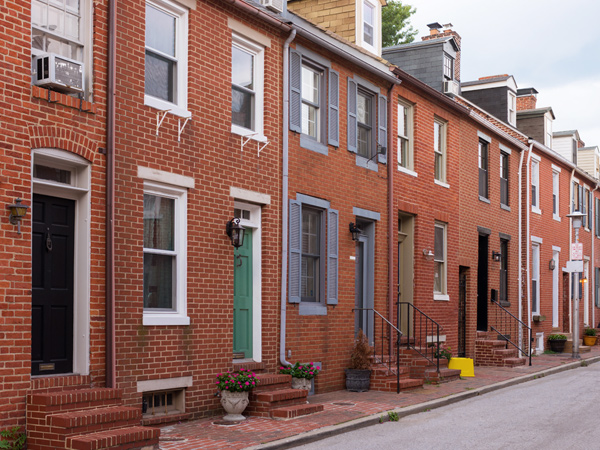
(409, 167)
(179, 107)
(535, 162)
(376, 47)
(444, 151)
(258, 51)
(512, 108)
(556, 190)
(179, 314)
(443, 295)
(535, 275)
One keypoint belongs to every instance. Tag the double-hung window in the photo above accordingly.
(405, 133)
(448, 67)
(368, 26)
(247, 87)
(165, 84)
(483, 169)
(503, 272)
(313, 264)
(314, 100)
(439, 149)
(590, 209)
(597, 221)
(367, 123)
(512, 108)
(439, 258)
(504, 178)
(584, 197)
(555, 194)
(535, 185)
(165, 241)
(535, 279)
(548, 130)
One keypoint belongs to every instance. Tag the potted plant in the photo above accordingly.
(234, 388)
(589, 336)
(301, 374)
(557, 342)
(358, 375)
(443, 352)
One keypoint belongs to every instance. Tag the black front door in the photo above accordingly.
(482, 284)
(52, 285)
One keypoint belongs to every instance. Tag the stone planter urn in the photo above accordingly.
(557, 345)
(234, 404)
(301, 383)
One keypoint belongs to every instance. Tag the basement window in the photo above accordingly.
(163, 403)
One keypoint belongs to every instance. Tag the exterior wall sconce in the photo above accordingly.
(355, 231)
(235, 232)
(552, 264)
(428, 254)
(496, 256)
(17, 212)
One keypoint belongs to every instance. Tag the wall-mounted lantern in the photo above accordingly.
(17, 212)
(235, 232)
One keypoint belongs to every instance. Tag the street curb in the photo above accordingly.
(374, 419)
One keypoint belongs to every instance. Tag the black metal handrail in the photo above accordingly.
(423, 327)
(392, 328)
(508, 325)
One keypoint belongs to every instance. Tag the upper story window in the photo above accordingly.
(448, 67)
(548, 131)
(555, 194)
(368, 25)
(247, 84)
(367, 123)
(439, 149)
(439, 273)
(535, 185)
(504, 178)
(63, 27)
(587, 209)
(512, 108)
(483, 169)
(166, 57)
(535, 279)
(577, 195)
(574, 152)
(405, 133)
(314, 100)
(597, 222)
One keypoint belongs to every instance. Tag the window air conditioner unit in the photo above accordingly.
(273, 5)
(451, 88)
(57, 72)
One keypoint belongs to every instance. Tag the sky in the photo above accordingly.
(546, 44)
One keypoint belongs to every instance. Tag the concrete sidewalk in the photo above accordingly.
(346, 411)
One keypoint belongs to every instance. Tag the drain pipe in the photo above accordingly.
(528, 237)
(111, 378)
(391, 212)
(571, 277)
(521, 243)
(593, 232)
(284, 195)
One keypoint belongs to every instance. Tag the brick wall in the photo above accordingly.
(338, 16)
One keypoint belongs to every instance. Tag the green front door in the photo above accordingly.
(242, 298)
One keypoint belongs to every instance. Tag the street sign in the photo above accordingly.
(574, 266)
(577, 251)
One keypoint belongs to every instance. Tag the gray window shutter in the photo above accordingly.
(382, 134)
(334, 108)
(352, 124)
(295, 268)
(295, 91)
(332, 257)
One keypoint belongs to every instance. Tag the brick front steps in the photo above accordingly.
(493, 352)
(274, 397)
(85, 419)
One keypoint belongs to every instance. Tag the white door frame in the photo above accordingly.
(555, 275)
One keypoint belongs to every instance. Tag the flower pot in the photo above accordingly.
(557, 345)
(234, 403)
(358, 380)
(589, 340)
(301, 383)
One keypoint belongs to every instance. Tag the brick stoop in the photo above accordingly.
(383, 379)
(493, 352)
(56, 417)
(274, 397)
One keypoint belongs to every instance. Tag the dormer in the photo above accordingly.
(567, 144)
(495, 94)
(358, 21)
(537, 124)
(435, 60)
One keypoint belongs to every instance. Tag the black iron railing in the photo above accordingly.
(512, 330)
(382, 350)
(424, 338)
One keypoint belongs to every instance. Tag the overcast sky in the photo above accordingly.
(551, 45)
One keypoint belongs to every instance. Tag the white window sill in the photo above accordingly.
(442, 184)
(162, 105)
(312, 309)
(162, 319)
(536, 210)
(555, 217)
(254, 135)
(484, 200)
(441, 297)
(505, 207)
(407, 171)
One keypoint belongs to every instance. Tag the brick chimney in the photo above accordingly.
(526, 99)
(436, 32)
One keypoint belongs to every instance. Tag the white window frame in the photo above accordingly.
(376, 47)
(179, 106)
(548, 130)
(535, 276)
(258, 52)
(512, 108)
(319, 105)
(556, 195)
(178, 315)
(443, 294)
(440, 149)
(535, 181)
(505, 164)
(408, 165)
(448, 67)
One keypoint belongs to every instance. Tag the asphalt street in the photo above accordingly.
(552, 412)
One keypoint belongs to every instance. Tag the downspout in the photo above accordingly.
(528, 237)
(521, 243)
(593, 226)
(284, 195)
(570, 244)
(391, 212)
(111, 379)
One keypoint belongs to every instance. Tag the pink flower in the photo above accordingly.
(310, 373)
(253, 374)
(253, 383)
(226, 381)
(247, 384)
(318, 368)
